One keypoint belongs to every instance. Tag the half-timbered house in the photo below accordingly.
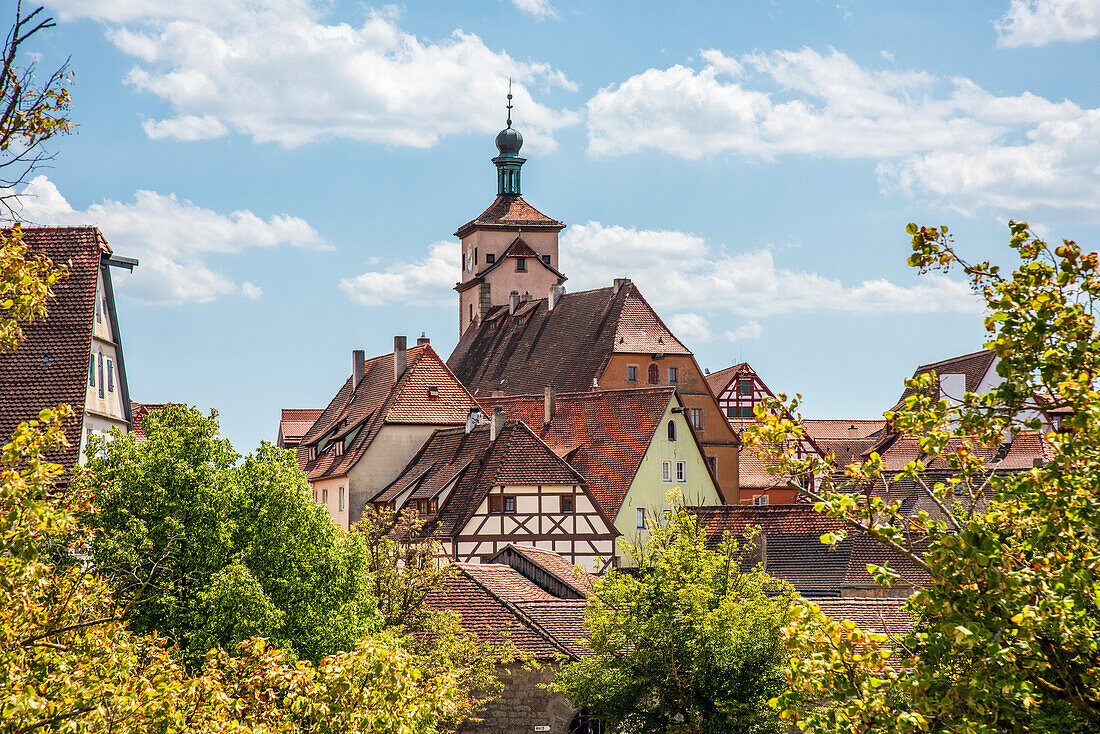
(482, 487)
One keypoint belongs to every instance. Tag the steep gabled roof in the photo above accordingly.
(357, 414)
(574, 577)
(819, 428)
(50, 366)
(510, 211)
(294, 423)
(973, 366)
(472, 465)
(721, 379)
(603, 434)
(568, 347)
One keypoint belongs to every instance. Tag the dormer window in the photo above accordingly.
(433, 391)
(312, 453)
(521, 265)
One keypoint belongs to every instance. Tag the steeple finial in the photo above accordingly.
(509, 101)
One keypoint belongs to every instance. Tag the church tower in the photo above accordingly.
(511, 247)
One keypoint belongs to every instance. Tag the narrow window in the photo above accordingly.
(496, 503)
(666, 471)
(521, 265)
(341, 499)
(324, 497)
(696, 415)
(471, 312)
(91, 370)
(100, 371)
(546, 259)
(475, 256)
(110, 375)
(490, 258)
(672, 430)
(631, 373)
(314, 494)
(681, 471)
(98, 312)
(639, 520)
(673, 375)
(713, 461)
(433, 506)
(509, 505)
(654, 375)
(744, 387)
(422, 507)
(566, 504)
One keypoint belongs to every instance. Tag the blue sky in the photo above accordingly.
(290, 172)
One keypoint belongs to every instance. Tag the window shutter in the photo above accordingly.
(495, 504)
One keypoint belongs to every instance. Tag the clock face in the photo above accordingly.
(468, 258)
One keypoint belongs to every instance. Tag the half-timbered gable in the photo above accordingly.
(376, 423)
(482, 487)
(632, 446)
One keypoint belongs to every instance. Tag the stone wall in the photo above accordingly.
(523, 705)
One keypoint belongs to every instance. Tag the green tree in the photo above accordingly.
(1008, 633)
(687, 642)
(209, 553)
(404, 567)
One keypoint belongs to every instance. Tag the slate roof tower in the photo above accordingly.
(510, 251)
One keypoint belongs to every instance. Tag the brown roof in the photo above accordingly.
(721, 379)
(356, 414)
(846, 451)
(820, 428)
(575, 577)
(50, 366)
(510, 211)
(974, 366)
(471, 466)
(568, 347)
(886, 616)
(296, 422)
(603, 434)
(791, 549)
(138, 411)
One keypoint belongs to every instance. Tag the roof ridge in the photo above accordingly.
(524, 617)
(955, 359)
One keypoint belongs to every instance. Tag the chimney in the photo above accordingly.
(423, 340)
(548, 404)
(400, 357)
(853, 432)
(473, 420)
(496, 423)
(556, 292)
(358, 367)
(618, 284)
(513, 302)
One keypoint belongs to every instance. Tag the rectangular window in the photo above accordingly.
(496, 502)
(341, 499)
(490, 258)
(110, 375)
(422, 507)
(632, 373)
(100, 371)
(744, 387)
(433, 506)
(639, 518)
(566, 505)
(745, 412)
(760, 499)
(91, 370)
(673, 375)
(521, 265)
(98, 312)
(546, 259)
(666, 471)
(509, 505)
(695, 415)
(731, 411)
(713, 461)
(681, 471)
(324, 497)
(475, 256)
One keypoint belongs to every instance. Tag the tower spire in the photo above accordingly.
(508, 162)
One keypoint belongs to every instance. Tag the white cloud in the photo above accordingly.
(1039, 22)
(886, 55)
(538, 8)
(277, 71)
(250, 291)
(681, 274)
(748, 330)
(173, 239)
(766, 105)
(690, 326)
(425, 282)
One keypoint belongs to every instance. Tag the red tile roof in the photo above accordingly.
(604, 434)
(518, 248)
(819, 428)
(973, 366)
(510, 211)
(356, 414)
(721, 379)
(770, 518)
(472, 465)
(568, 347)
(296, 422)
(50, 366)
(1026, 449)
(138, 411)
(575, 577)
(874, 615)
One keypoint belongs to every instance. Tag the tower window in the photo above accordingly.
(521, 265)
(475, 256)
(672, 430)
(546, 259)
(490, 258)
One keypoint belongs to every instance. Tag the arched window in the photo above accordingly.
(654, 375)
(672, 430)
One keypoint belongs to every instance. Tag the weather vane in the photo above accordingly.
(509, 101)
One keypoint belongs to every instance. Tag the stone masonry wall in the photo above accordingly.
(523, 705)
